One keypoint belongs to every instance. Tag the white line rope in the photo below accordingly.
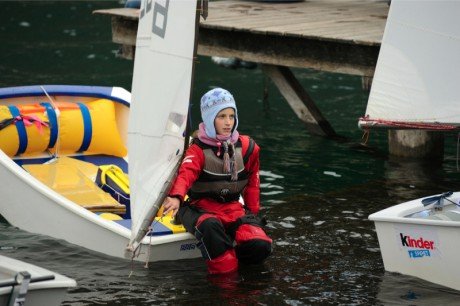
(458, 140)
(58, 113)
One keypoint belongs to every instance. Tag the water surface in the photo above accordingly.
(317, 193)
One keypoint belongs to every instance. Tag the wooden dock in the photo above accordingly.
(341, 36)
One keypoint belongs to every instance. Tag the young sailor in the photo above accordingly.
(218, 167)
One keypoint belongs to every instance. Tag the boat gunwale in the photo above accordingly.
(398, 213)
(116, 94)
(15, 266)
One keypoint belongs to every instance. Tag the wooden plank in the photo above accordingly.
(270, 13)
(327, 30)
(124, 31)
(126, 13)
(290, 51)
(267, 14)
(345, 33)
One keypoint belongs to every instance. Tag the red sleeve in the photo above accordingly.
(189, 171)
(251, 194)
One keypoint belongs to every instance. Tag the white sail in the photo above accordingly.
(160, 100)
(416, 82)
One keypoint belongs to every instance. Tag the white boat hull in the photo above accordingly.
(47, 292)
(416, 240)
(33, 207)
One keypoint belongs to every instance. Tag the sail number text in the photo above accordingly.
(160, 16)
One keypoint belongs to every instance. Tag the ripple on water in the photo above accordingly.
(286, 224)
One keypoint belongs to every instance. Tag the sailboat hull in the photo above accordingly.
(45, 292)
(420, 241)
(33, 206)
(27, 204)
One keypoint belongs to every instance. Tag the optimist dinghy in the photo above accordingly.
(64, 167)
(420, 238)
(26, 284)
(416, 86)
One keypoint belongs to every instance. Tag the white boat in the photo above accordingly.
(48, 173)
(416, 86)
(422, 241)
(23, 283)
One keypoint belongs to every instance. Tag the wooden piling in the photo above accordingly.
(416, 144)
(299, 100)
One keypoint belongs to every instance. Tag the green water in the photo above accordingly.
(316, 192)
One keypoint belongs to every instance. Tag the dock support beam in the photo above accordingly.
(299, 100)
(416, 144)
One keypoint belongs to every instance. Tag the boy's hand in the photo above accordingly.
(171, 205)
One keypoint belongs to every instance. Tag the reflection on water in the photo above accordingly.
(408, 178)
(316, 193)
(396, 289)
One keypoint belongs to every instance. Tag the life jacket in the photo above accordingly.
(213, 182)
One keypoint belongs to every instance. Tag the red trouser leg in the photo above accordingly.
(253, 245)
(216, 245)
(225, 263)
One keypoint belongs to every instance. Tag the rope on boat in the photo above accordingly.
(7, 122)
(458, 142)
(437, 200)
(57, 111)
(365, 137)
(137, 251)
(409, 125)
(423, 126)
(28, 120)
(148, 248)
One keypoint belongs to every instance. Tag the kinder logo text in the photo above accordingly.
(423, 246)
